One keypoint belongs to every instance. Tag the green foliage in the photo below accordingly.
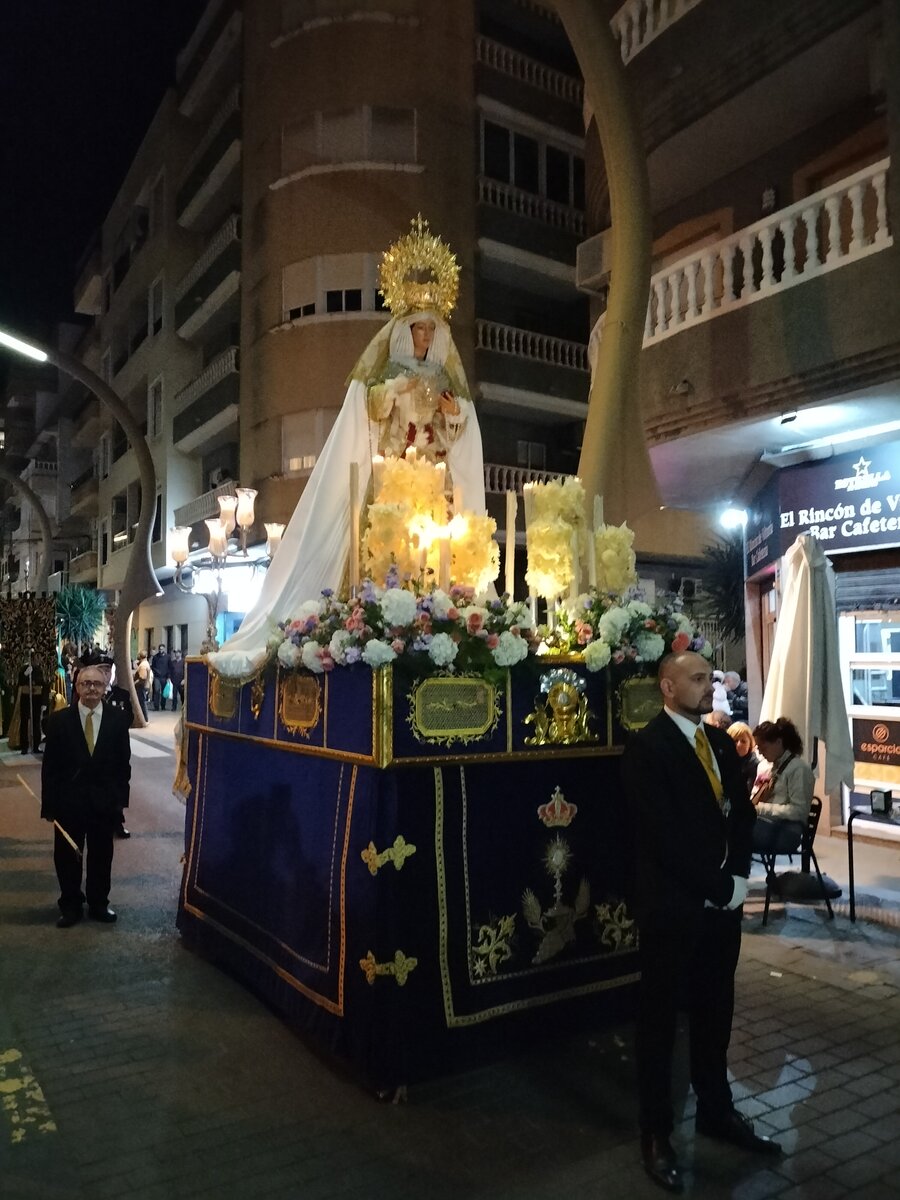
(724, 583)
(79, 611)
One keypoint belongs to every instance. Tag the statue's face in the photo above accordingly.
(422, 337)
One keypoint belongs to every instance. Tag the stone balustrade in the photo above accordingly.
(638, 22)
(840, 224)
(525, 204)
(499, 479)
(523, 343)
(528, 70)
(204, 506)
(214, 372)
(227, 233)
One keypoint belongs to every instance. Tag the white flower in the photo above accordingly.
(338, 644)
(440, 604)
(637, 608)
(509, 650)
(376, 652)
(442, 650)
(398, 607)
(596, 655)
(520, 614)
(613, 624)
(650, 646)
(683, 623)
(289, 655)
(312, 657)
(310, 608)
(706, 649)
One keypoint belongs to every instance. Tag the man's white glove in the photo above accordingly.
(740, 892)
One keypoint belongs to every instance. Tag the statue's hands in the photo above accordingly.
(448, 404)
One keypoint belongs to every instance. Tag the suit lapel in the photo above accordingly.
(682, 746)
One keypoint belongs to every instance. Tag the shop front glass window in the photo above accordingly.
(875, 686)
(878, 635)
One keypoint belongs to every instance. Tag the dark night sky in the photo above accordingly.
(79, 83)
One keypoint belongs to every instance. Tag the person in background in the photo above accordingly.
(783, 801)
(159, 665)
(176, 678)
(736, 692)
(742, 736)
(142, 681)
(32, 698)
(720, 696)
(693, 822)
(720, 719)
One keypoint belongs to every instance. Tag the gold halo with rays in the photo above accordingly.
(419, 272)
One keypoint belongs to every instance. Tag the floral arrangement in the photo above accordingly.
(609, 628)
(434, 629)
(613, 548)
(555, 533)
(475, 555)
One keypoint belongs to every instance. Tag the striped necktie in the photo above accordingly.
(704, 753)
(89, 732)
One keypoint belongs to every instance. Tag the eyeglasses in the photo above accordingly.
(90, 683)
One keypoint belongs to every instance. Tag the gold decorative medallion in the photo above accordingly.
(397, 854)
(639, 702)
(563, 718)
(419, 272)
(401, 968)
(300, 705)
(444, 709)
(223, 696)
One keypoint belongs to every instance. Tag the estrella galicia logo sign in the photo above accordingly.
(864, 479)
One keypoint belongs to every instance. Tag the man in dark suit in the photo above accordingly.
(693, 821)
(84, 784)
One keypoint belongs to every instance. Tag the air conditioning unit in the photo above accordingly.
(691, 588)
(592, 263)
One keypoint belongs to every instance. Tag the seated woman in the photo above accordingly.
(742, 736)
(783, 802)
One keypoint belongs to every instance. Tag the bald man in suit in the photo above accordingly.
(693, 823)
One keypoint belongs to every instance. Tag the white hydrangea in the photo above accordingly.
(440, 604)
(289, 655)
(596, 655)
(398, 607)
(310, 608)
(509, 650)
(311, 657)
(442, 650)
(706, 649)
(613, 624)
(683, 623)
(520, 614)
(338, 644)
(650, 646)
(637, 608)
(376, 652)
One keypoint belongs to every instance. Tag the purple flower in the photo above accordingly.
(327, 593)
(393, 577)
(352, 655)
(368, 592)
(422, 642)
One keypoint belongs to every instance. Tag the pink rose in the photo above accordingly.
(326, 659)
(398, 645)
(680, 643)
(583, 632)
(474, 622)
(493, 641)
(452, 614)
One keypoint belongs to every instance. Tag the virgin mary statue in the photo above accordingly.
(407, 390)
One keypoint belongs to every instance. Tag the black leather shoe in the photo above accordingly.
(661, 1162)
(106, 915)
(738, 1130)
(122, 832)
(66, 920)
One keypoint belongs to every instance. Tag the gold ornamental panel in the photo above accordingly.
(223, 696)
(640, 700)
(453, 708)
(300, 704)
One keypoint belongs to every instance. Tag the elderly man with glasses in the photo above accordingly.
(85, 782)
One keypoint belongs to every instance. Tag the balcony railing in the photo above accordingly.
(499, 479)
(638, 22)
(222, 365)
(838, 225)
(528, 70)
(224, 129)
(224, 236)
(523, 343)
(204, 506)
(82, 564)
(526, 204)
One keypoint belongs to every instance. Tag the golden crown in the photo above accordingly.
(419, 272)
(557, 811)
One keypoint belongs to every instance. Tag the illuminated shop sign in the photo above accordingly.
(849, 502)
(876, 741)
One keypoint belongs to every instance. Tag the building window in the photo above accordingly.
(532, 164)
(155, 305)
(335, 283)
(104, 455)
(155, 408)
(346, 300)
(366, 134)
(157, 204)
(531, 454)
(303, 435)
(104, 542)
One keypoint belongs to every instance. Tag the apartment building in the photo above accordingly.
(772, 339)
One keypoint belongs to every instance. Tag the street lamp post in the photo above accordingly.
(140, 581)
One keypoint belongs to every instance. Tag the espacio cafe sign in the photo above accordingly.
(849, 502)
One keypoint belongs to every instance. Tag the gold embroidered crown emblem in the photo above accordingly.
(557, 811)
(419, 272)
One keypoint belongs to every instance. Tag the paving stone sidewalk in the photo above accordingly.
(131, 1069)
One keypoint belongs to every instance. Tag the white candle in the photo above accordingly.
(354, 528)
(411, 454)
(528, 502)
(575, 584)
(457, 497)
(598, 512)
(444, 560)
(274, 530)
(532, 605)
(377, 474)
(512, 508)
(592, 558)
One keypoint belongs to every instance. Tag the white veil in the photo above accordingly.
(316, 543)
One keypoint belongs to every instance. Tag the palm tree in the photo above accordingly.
(79, 611)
